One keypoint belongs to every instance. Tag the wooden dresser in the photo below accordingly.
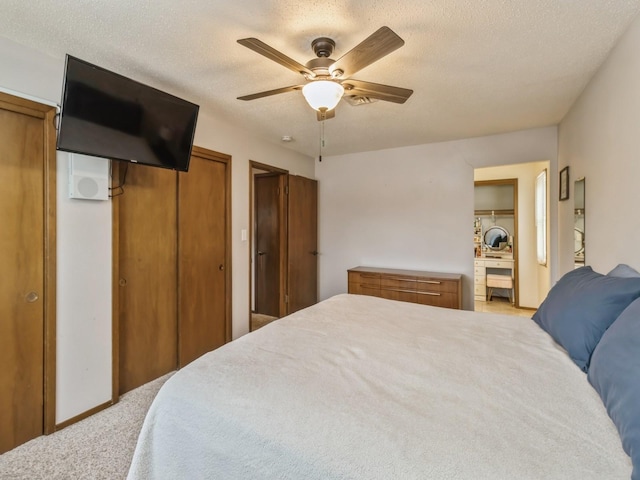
(426, 288)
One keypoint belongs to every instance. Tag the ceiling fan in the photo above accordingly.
(328, 80)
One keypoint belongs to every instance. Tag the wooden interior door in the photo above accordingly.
(266, 259)
(147, 218)
(302, 243)
(203, 259)
(26, 155)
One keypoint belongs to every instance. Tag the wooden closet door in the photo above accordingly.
(147, 219)
(25, 290)
(302, 243)
(203, 272)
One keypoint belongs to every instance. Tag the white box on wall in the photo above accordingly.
(88, 177)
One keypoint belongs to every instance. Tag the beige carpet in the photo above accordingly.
(260, 320)
(99, 447)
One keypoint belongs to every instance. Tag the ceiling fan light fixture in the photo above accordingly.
(323, 95)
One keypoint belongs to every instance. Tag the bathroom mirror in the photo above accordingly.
(496, 238)
(579, 223)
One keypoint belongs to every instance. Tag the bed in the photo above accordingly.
(359, 387)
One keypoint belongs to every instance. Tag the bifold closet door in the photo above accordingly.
(147, 285)
(174, 298)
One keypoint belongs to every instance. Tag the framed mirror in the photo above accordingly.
(578, 242)
(579, 223)
(496, 238)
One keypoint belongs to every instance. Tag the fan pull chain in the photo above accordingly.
(321, 140)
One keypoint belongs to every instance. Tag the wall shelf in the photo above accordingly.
(482, 213)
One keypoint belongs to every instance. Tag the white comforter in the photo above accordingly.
(359, 387)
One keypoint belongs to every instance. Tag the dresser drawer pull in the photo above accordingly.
(362, 275)
(400, 279)
(432, 282)
(368, 285)
(402, 290)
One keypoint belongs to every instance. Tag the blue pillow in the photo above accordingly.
(624, 271)
(615, 374)
(581, 306)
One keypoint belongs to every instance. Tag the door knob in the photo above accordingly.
(221, 267)
(31, 297)
(261, 253)
(123, 282)
(314, 253)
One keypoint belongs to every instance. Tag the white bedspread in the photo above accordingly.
(359, 387)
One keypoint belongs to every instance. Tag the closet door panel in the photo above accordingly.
(202, 234)
(22, 291)
(147, 267)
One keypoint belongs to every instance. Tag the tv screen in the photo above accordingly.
(107, 115)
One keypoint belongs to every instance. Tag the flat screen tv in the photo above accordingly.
(107, 115)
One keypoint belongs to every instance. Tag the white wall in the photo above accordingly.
(412, 207)
(83, 343)
(84, 237)
(533, 279)
(599, 140)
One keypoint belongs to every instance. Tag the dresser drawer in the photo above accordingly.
(479, 280)
(364, 289)
(398, 294)
(400, 282)
(372, 279)
(435, 285)
(478, 263)
(438, 299)
(479, 289)
(496, 263)
(480, 271)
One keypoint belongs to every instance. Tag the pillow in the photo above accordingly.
(581, 306)
(615, 374)
(624, 271)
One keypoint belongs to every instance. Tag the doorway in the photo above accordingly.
(268, 244)
(28, 280)
(495, 242)
(284, 251)
(514, 210)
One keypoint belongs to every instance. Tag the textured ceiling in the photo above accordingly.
(476, 67)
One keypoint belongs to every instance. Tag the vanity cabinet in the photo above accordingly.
(426, 288)
(484, 265)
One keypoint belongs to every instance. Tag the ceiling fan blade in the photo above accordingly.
(376, 90)
(273, 54)
(326, 115)
(380, 43)
(268, 93)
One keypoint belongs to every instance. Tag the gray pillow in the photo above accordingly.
(624, 271)
(581, 306)
(615, 374)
